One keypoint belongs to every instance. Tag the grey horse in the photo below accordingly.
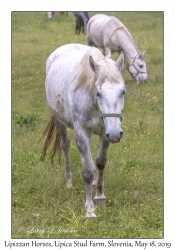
(82, 19)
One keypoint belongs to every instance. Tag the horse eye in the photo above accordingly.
(141, 65)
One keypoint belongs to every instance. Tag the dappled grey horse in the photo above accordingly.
(85, 92)
(108, 32)
(82, 19)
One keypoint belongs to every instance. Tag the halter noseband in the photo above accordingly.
(138, 71)
(111, 115)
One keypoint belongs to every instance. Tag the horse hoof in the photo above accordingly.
(91, 216)
(101, 201)
(69, 185)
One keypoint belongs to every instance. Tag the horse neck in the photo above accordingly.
(127, 44)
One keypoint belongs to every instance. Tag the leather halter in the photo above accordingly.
(111, 115)
(138, 71)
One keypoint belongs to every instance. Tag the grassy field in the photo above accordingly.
(42, 206)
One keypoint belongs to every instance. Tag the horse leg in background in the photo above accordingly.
(88, 168)
(82, 25)
(101, 159)
(79, 25)
(65, 146)
(90, 42)
(76, 27)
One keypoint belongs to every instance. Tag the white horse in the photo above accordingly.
(85, 92)
(50, 14)
(108, 32)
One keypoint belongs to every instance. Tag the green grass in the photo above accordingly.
(42, 206)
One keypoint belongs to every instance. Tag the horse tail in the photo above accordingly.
(51, 134)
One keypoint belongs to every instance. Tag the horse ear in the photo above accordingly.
(93, 64)
(120, 62)
(141, 55)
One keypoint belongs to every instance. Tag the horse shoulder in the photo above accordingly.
(83, 106)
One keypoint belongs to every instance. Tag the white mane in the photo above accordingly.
(86, 76)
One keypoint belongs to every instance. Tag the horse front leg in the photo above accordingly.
(101, 159)
(88, 169)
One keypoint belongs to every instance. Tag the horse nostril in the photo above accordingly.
(107, 136)
(121, 134)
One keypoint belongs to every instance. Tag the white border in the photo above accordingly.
(5, 96)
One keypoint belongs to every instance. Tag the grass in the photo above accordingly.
(42, 206)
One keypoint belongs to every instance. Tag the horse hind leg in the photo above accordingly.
(65, 146)
(76, 27)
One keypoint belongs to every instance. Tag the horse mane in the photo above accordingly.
(85, 76)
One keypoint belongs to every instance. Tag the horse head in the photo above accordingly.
(137, 68)
(109, 91)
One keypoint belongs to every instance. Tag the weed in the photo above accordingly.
(29, 119)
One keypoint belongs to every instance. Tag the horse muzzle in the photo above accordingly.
(113, 136)
(142, 77)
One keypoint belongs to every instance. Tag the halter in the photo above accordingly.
(138, 71)
(111, 115)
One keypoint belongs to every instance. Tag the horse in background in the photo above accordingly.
(82, 19)
(51, 13)
(62, 13)
(108, 32)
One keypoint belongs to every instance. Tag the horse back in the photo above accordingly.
(60, 68)
(106, 26)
